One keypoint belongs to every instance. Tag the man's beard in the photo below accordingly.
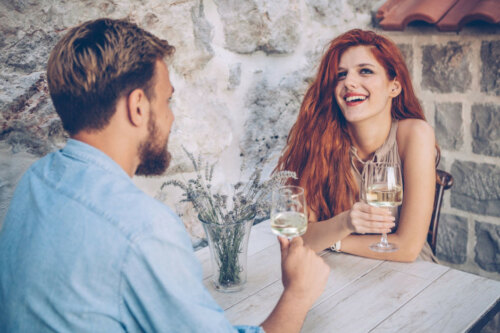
(154, 156)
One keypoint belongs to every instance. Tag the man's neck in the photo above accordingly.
(116, 147)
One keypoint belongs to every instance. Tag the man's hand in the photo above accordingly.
(304, 277)
(364, 218)
(304, 273)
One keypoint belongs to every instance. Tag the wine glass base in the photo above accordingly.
(381, 247)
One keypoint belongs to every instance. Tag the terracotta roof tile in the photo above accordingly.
(466, 11)
(447, 15)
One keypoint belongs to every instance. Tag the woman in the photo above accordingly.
(361, 107)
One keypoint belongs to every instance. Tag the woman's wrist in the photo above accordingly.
(336, 246)
(348, 222)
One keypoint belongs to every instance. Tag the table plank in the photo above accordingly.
(420, 268)
(256, 308)
(264, 268)
(345, 270)
(369, 300)
(451, 303)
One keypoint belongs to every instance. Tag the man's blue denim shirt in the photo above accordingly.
(82, 249)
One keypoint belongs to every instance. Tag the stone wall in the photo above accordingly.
(240, 72)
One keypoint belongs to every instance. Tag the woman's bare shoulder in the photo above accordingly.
(409, 129)
(414, 133)
(415, 126)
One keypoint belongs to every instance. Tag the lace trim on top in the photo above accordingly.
(388, 152)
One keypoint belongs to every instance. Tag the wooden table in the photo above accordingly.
(363, 295)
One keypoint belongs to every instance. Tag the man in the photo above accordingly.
(83, 249)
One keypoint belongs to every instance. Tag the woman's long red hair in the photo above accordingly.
(318, 144)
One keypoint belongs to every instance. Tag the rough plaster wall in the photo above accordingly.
(240, 71)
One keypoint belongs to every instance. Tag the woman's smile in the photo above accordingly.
(353, 99)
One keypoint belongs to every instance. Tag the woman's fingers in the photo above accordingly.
(373, 215)
(376, 217)
(366, 208)
(368, 219)
(375, 227)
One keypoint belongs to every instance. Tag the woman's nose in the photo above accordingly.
(350, 81)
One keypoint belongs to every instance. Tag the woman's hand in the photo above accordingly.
(363, 218)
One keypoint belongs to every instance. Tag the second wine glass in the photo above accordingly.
(288, 211)
(383, 187)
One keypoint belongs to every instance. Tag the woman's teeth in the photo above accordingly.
(355, 98)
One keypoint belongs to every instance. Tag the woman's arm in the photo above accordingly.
(362, 218)
(416, 145)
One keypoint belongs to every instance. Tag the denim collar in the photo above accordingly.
(84, 152)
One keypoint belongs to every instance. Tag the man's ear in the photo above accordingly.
(137, 107)
(395, 88)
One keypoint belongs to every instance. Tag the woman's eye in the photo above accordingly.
(341, 75)
(366, 71)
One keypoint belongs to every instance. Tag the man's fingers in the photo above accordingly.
(297, 241)
(284, 245)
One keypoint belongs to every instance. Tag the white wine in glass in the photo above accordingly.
(381, 195)
(288, 211)
(382, 186)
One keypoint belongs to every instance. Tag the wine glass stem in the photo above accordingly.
(383, 240)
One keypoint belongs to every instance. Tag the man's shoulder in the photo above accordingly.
(106, 194)
(128, 208)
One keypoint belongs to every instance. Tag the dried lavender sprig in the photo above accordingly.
(249, 200)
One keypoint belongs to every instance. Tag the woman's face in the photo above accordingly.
(363, 89)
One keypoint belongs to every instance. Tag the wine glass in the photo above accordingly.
(383, 187)
(288, 211)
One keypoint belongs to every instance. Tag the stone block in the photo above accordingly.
(326, 12)
(255, 25)
(487, 247)
(445, 68)
(202, 29)
(27, 54)
(185, 26)
(485, 129)
(334, 13)
(475, 187)
(490, 67)
(12, 167)
(452, 239)
(407, 52)
(442, 164)
(234, 76)
(448, 125)
(30, 123)
(361, 6)
(273, 111)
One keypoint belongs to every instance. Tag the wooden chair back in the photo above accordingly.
(444, 181)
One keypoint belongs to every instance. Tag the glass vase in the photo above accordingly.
(228, 243)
